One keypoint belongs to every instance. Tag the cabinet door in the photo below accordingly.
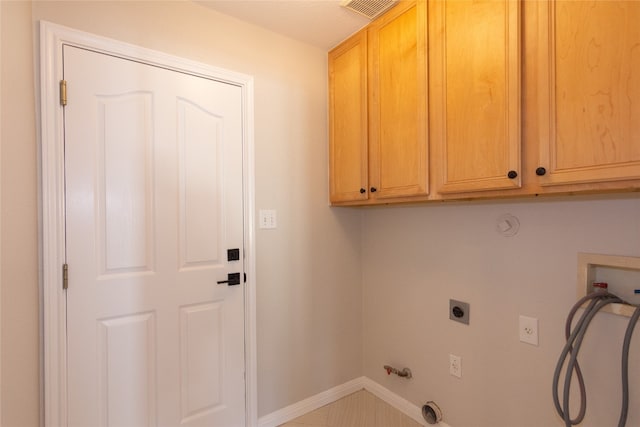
(348, 120)
(589, 91)
(398, 156)
(475, 90)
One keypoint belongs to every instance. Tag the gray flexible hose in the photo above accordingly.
(576, 349)
(625, 367)
(572, 347)
(594, 297)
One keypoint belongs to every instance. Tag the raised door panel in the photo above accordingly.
(348, 175)
(201, 360)
(475, 82)
(398, 138)
(589, 85)
(127, 370)
(200, 144)
(124, 182)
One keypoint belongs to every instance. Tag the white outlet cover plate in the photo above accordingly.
(529, 330)
(455, 365)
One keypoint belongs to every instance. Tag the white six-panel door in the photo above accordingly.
(153, 170)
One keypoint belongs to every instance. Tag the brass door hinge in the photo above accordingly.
(65, 276)
(63, 92)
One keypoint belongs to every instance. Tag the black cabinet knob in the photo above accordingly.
(374, 189)
(541, 171)
(512, 174)
(362, 191)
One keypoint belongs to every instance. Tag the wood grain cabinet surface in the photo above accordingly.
(348, 121)
(589, 92)
(522, 99)
(378, 110)
(398, 137)
(475, 95)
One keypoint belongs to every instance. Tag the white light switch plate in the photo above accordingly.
(268, 219)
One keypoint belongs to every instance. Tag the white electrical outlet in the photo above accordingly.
(455, 365)
(529, 330)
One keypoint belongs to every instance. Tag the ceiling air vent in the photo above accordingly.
(368, 8)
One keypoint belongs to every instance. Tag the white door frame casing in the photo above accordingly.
(52, 38)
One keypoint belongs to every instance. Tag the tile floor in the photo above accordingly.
(360, 409)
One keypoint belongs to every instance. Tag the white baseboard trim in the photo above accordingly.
(312, 403)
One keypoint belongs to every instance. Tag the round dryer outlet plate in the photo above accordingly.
(431, 413)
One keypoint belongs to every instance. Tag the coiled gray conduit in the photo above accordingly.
(625, 367)
(574, 341)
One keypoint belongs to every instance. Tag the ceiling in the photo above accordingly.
(322, 23)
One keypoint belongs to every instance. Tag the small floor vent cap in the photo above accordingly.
(368, 8)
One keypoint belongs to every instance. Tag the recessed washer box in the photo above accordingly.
(621, 273)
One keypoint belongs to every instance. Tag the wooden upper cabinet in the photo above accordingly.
(378, 147)
(475, 91)
(589, 91)
(442, 103)
(398, 135)
(348, 133)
